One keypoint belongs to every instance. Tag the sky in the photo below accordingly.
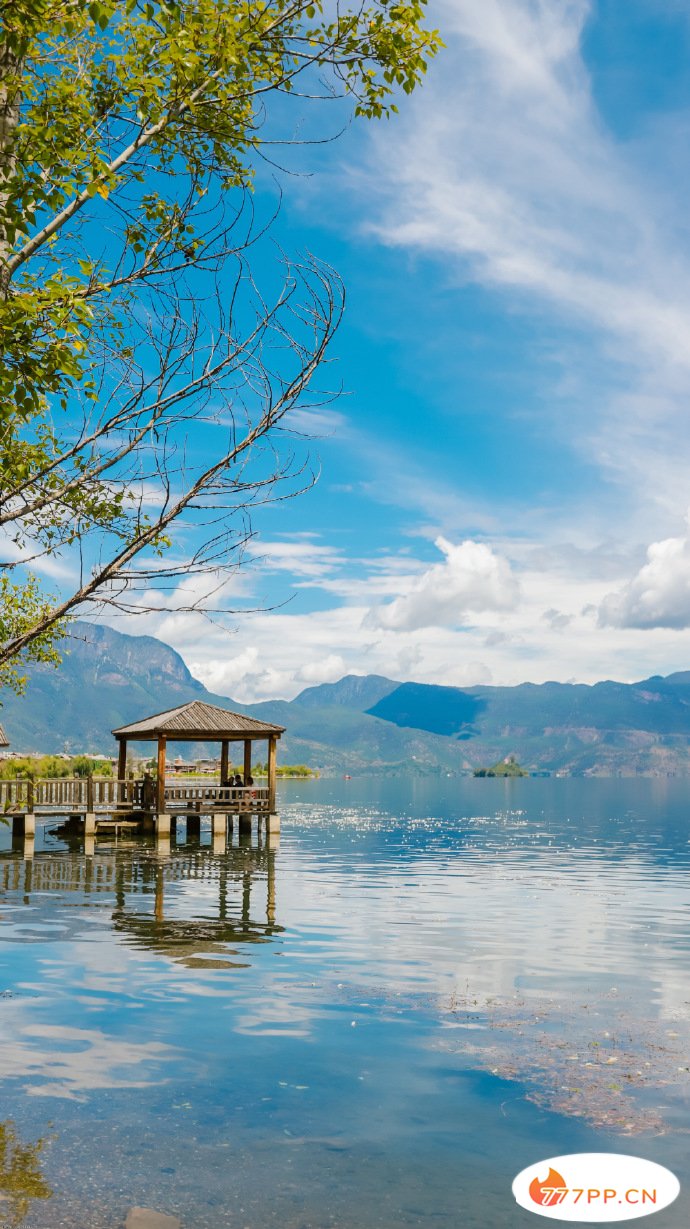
(504, 482)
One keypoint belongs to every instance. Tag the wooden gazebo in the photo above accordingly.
(200, 722)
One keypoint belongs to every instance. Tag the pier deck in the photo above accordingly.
(104, 802)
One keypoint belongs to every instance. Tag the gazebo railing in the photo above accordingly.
(90, 794)
(234, 797)
(68, 793)
(61, 792)
(83, 793)
(14, 795)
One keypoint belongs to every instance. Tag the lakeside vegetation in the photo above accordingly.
(504, 768)
(287, 770)
(38, 767)
(33, 767)
(258, 770)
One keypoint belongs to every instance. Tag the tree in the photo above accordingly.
(146, 370)
(21, 1180)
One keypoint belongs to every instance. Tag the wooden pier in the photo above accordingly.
(155, 803)
(109, 800)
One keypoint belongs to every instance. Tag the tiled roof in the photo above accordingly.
(4, 742)
(197, 721)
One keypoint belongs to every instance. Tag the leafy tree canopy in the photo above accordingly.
(129, 138)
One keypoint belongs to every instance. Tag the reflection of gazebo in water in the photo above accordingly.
(211, 942)
(201, 722)
(221, 925)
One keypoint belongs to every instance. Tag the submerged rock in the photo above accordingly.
(147, 1218)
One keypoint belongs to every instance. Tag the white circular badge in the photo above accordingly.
(595, 1186)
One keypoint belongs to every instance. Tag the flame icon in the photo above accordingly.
(550, 1192)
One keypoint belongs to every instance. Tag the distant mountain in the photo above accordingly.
(106, 679)
(441, 710)
(657, 705)
(364, 723)
(605, 728)
(359, 692)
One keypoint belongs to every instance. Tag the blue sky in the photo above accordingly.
(505, 484)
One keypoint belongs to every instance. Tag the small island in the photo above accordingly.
(508, 767)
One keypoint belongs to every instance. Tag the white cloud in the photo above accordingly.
(658, 595)
(502, 168)
(55, 567)
(514, 173)
(327, 670)
(252, 674)
(551, 633)
(315, 422)
(225, 674)
(472, 578)
(300, 556)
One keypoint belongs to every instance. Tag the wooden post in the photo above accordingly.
(271, 887)
(247, 759)
(158, 898)
(160, 783)
(147, 798)
(272, 744)
(224, 747)
(219, 832)
(121, 766)
(90, 816)
(246, 898)
(29, 821)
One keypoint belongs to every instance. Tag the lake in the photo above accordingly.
(421, 988)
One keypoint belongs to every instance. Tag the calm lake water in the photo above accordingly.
(423, 988)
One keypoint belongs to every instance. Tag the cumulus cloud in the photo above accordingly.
(278, 653)
(252, 674)
(659, 594)
(472, 578)
(556, 619)
(224, 674)
(327, 670)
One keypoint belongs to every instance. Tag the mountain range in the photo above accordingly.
(364, 724)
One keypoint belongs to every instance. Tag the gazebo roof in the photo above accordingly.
(199, 722)
(4, 742)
